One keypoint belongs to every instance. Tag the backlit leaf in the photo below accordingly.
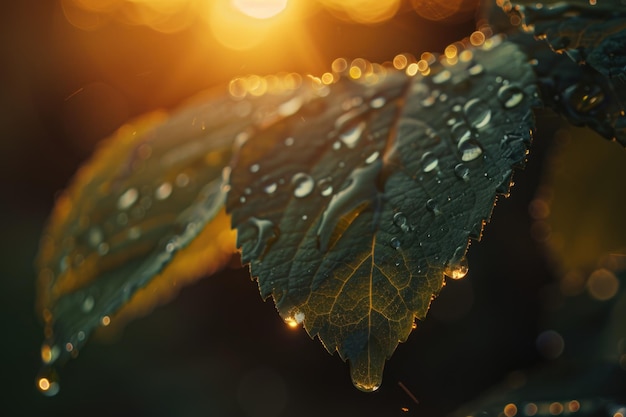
(351, 210)
(143, 218)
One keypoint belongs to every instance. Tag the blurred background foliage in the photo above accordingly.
(543, 289)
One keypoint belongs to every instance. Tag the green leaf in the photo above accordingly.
(589, 87)
(351, 210)
(141, 219)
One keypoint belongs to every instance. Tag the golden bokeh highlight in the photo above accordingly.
(362, 11)
(43, 384)
(510, 410)
(260, 9)
(556, 408)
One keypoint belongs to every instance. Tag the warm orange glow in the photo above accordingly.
(573, 406)
(43, 384)
(106, 320)
(556, 408)
(510, 410)
(260, 9)
(292, 323)
(363, 11)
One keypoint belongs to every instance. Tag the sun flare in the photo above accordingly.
(260, 9)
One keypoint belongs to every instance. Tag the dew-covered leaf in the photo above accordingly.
(144, 217)
(351, 210)
(589, 87)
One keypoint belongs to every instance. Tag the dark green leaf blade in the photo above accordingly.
(589, 87)
(350, 211)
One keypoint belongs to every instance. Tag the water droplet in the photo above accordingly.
(510, 96)
(442, 76)
(378, 102)
(266, 234)
(305, 217)
(336, 145)
(583, 98)
(103, 249)
(470, 150)
(182, 180)
(477, 112)
(134, 232)
(289, 141)
(429, 161)
(303, 184)
(290, 107)
(326, 186)
(351, 133)
(400, 220)
(358, 194)
(395, 243)
(88, 304)
(269, 189)
(254, 168)
(127, 199)
(372, 157)
(163, 191)
(456, 267)
(242, 199)
(462, 172)
(95, 236)
(460, 132)
(432, 205)
(476, 69)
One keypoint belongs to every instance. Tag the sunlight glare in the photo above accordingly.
(260, 9)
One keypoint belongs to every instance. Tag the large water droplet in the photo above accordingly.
(457, 271)
(429, 162)
(266, 234)
(460, 132)
(470, 150)
(462, 172)
(477, 112)
(395, 243)
(583, 98)
(359, 192)
(510, 96)
(303, 184)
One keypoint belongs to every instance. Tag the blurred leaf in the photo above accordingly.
(351, 210)
(141, 219)
(589, 87)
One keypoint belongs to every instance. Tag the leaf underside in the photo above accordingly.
(586, 81)
(350, 210)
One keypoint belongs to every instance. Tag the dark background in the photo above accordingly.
(218, 349)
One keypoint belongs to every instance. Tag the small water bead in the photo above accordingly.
(289, 141)
(269, 189)
(433, 206)
(373, 157)
(470, 150)
(441, 77)
(254, 168)
(127, 199)
(476, 69)
(395, 243)
(510, 96)
(182, 180)
(103, 249)
(477, 112)
(95, 236)
(326, 187)
(429, 162)
(163, 191)
(462, 172)
(400, 220)
(378, 102)
(303, 183)
(336, 145)
(460, 132)
(351, 134)
(88, 304)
